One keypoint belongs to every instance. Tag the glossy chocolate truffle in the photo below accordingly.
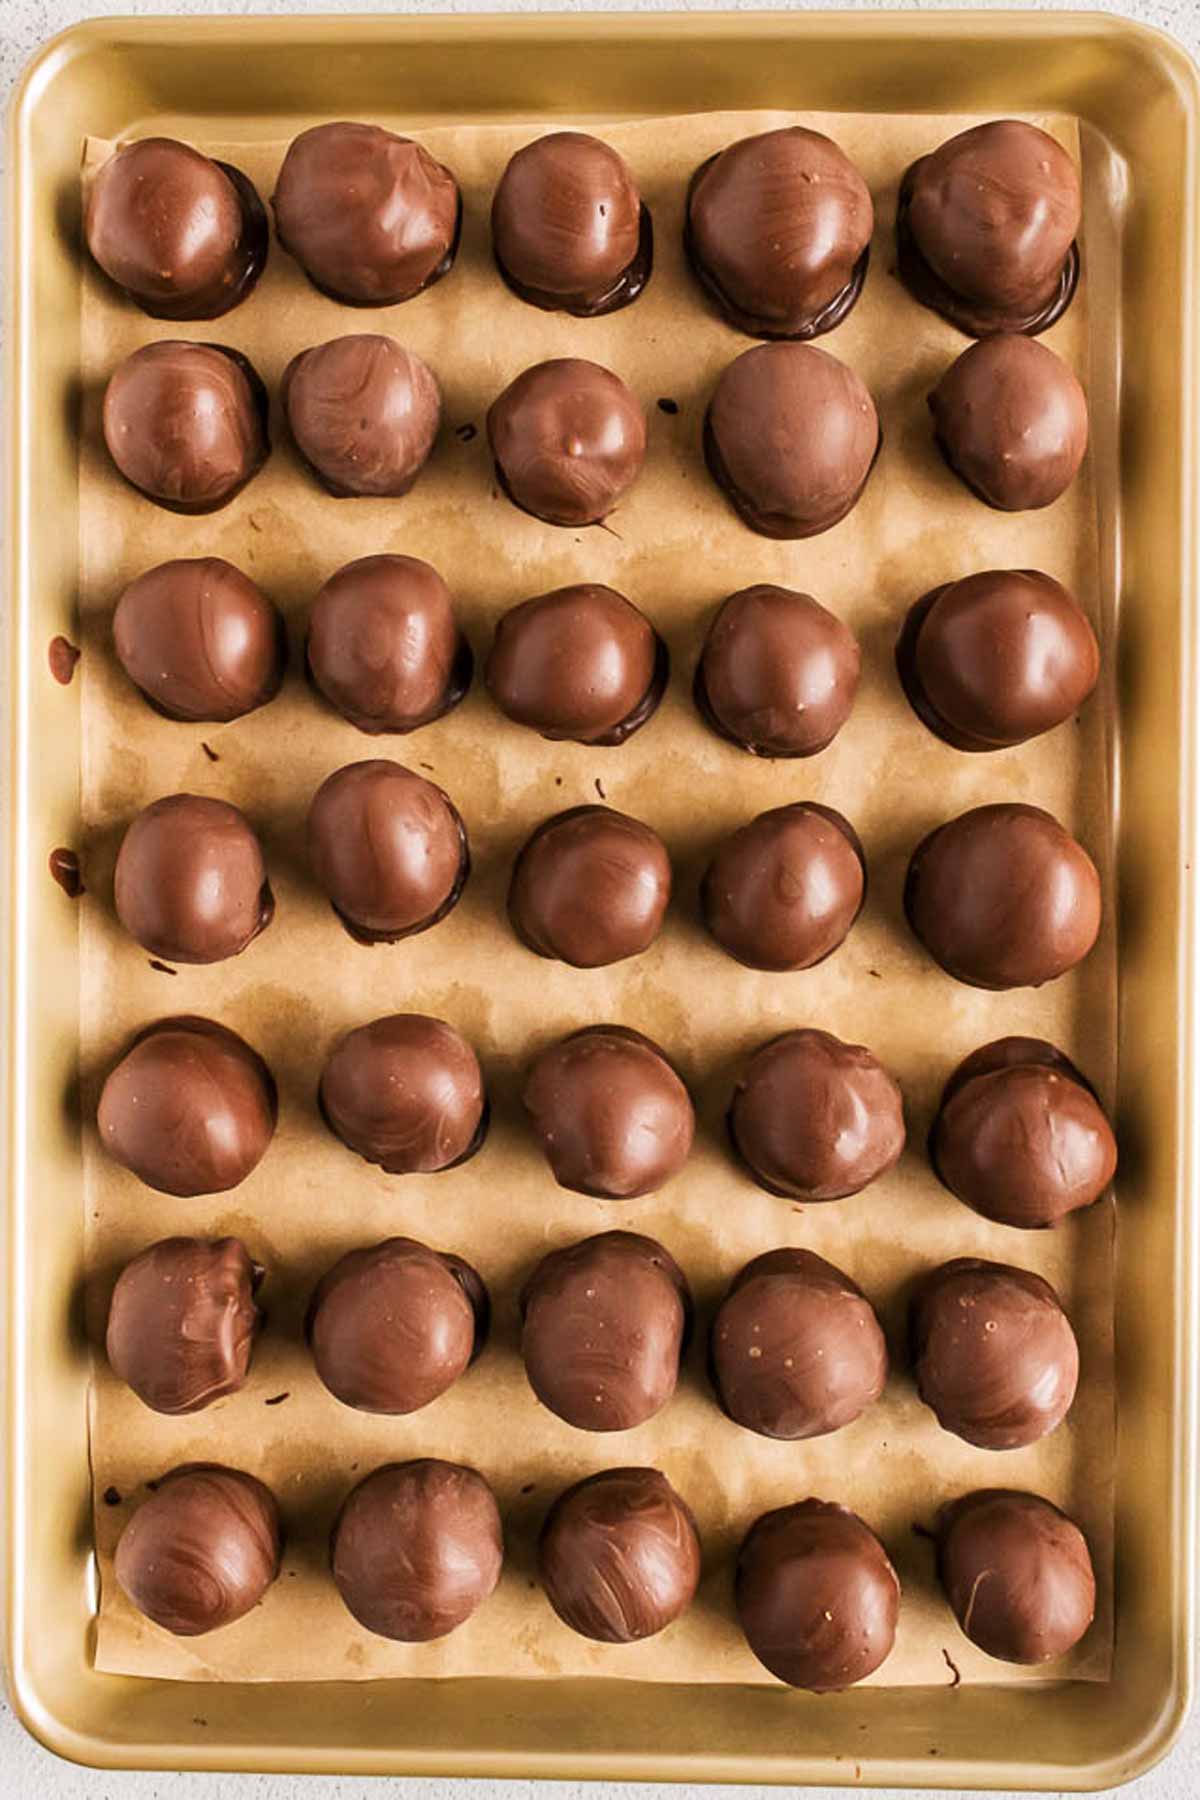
(580, 663)
(202, 1550)
(778, 673)
(364, 413)
(1021, 1137)
(986, 228)
(1003, 897)
(815, 1119)
(790, 436)
(406, 1092)
(996, 658)
(200, 640)
(190, 1108)
(604, 1324)
(619, 1555)
(371, 218)
(777, 231)
(816, 1595)
(590, 887)
(417, 1548)
(569, 231)
(191, 884)
(610, 1113)
(184, 236)
(568, 440)
(182, 1322)
(1011, 420)
(782, 892)
(1017, 1573)
(186, 424)
(384, 647)
(389, 849)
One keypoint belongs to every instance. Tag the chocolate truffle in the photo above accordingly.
(184, 236)
(363, 413)
(816, 1595)
(389, 849)
(182, 1322)
(590, 887)
(777, 231)
(1011, 420)
(619, 1555)
(392, 1327)
(611, 1115)
(371, 218)
(1020, 1136)
(190, 1108)
(384, 646)
(417, 1548)
(1017, 1573)
(200, 640)
(996, 658)
(186, 424)
(1003, 897)
(191, 884)
(406, 1092)
(569, 230)
(993, 1353)
(783, 892)
(790, 436)
(580, 663)
(202, 1550)
(604, 1325)
(815, 1119)
(778, 673)
(568, 440)
(986, 226)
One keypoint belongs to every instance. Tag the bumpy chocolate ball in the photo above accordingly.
(619, 1555)
(417, 1548)
(389, 849)
(783, 892)
(569, 231)
(191, 884)
(186, 424)
(384, 646)
(777, 231)
(202, 1550)
(816, 1596)
(568, 439)
(200, 640)
(790, 436)
(1003, 897)
(604, 1324)
(406, 1092)
(778, 673)
(364, 413)
(1017, 1573)
(182, 1322)
(580, 663)
(610, 1113)
(1011, 420)
(371, 218)
(590, 887)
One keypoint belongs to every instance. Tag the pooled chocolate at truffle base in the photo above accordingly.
(569, 230)
(364, 413)
(405, 1092)
(1003, 897)
(384, 647)
(388, 848)
(202, 1550)
(604, 1326)
(782, 892)
(191, 884)
(200, 640)
(186, 424)
(778, 228)
(816, 1596)
(619, 1555)
(610, 1113)
(815, 1119)
(1011, 421)
(568, 438)
(1017, 1573)
(417, 1548)
(186, 237)
(371, 218)
(778, 673)
(790, 436)
(590, 887)
(182, 1322)
(580, 663)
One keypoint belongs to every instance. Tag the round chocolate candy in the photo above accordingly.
(186, 424)
(568, 440)
(778, 673)
(782, 892)
(388, 848)
(406, 1092)
(580, 663)
(569, 230)
(200, 640)
(191, 884)
(590, 887)
(182, 1322)
(610, 1113)
(1011, 420)
(364, 413)
(1017, 1573)
(384, 647)
(202, 1550)
(619, 1555)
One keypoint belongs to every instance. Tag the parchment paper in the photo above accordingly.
(676, 548)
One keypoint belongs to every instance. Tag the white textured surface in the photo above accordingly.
(26, 1771)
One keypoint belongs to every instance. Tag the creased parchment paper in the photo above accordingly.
(676, 548)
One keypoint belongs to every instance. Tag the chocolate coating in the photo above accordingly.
(568, 438)
(200, 640)
(384, 646)
(619, 1555)
(590, 887)
(783, 891)
(182, 1322)
(610, 1113)
(406, 1092)
(417, 1548)
(778, 673)
(202, 1550)
(1003, 897)
(1011, 420)
(1017, 1573)
(815, 1119)
(186, 424)
(580, 663)
(790, 436)
(569, 231)
(816, 1595)
(191, 884)
(364, 413)
(604, 1325)
(389, 849)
